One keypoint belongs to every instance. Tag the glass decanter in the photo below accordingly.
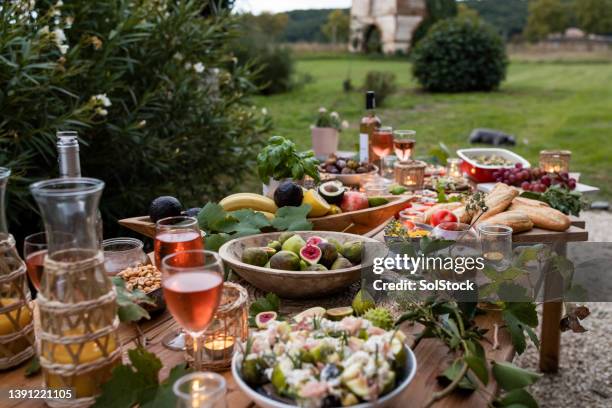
(16, 322)
(78, 338)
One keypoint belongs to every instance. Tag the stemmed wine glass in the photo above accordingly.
(193, 292)
(172, 235)
(382, 144)
(403, 143)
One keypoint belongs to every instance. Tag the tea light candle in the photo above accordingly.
(452, 168)
(410, 174)
(555, 161)
(219, 347)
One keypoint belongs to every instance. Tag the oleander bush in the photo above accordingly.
(382, 83)
(160, 104)
(459, 55)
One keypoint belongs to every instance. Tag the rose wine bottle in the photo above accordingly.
(369, 122)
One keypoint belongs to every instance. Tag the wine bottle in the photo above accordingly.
(70, 165)
(369, 122)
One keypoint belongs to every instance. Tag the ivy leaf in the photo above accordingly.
(33, 368)
(510, 377)
(292, 218)
(516, 398)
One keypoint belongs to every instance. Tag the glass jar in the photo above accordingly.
(16, 317)
(78, 341)
(122, 253)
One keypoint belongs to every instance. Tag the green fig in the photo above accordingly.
(341, 263)
(255, 256)
(315, 267)
(276, 245)
(285, 236)
(336, 243)
(285, 260)
(329, 254)
(352, 251)
(294, 244)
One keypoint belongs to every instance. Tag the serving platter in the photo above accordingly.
(291, 284)
(355, 222)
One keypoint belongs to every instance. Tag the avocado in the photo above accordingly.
(332, 192)
(288, 194)
(163, 207)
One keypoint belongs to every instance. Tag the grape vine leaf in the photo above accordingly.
(292, 218)
(128, 301)
(519, 318)
(249, 222)
(164, 396)
(214, 241)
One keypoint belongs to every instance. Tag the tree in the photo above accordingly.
(336, 29)
(594, 16)
(465, 11)
(270, 25)
(547, 17)
(436, 10)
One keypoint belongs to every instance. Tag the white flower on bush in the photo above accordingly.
(199, 67)
(322, 110)
(142, 124)
(334, 115)
(101, 111)
(188, 66)
(264, 111)
(178, 56)
(345, 124)
(103, 100)
(69, 21)
(59, 36)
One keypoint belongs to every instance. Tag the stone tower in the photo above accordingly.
(385, 24)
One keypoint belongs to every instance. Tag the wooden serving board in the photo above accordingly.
(355, 222)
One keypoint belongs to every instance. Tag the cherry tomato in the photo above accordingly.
(442, 216)
(408, 224)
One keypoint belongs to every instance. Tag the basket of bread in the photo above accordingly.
(505, 207)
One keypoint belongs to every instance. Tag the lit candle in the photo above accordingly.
(452, 168)
(555, 161)
(219, 347)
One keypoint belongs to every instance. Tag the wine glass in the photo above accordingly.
(193, 292)
(35, 251)
(382, 144)
(403, 143)
(175, 234)
(199, 390)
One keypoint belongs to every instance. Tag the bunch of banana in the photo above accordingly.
(256, 202)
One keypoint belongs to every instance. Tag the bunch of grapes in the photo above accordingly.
(533, 179)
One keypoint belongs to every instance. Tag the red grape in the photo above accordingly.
(519, 165)
(525, 185)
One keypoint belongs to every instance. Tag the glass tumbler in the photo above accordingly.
(200, 390)
(496, 241)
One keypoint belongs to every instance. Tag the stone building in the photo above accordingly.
(384, 25)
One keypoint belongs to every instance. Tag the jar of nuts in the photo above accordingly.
(122, 253)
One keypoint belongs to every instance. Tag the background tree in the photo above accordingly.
(594, 16)
(465, 11)
(508, 17)
(269, 24)
(436, 10)
(337, 27)
(547, 17)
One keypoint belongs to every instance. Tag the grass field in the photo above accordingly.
(544, 104)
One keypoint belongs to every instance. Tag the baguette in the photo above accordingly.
(463, 216)
(544, 217)
(444, 206)
(519, 221)
(498, 200)
(529, 202)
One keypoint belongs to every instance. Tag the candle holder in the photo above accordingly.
(228, 328)
(453, 168)
(411, 174)
(555, 161)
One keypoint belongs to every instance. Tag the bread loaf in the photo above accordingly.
(438, 207)
(463, 215)
(519, 221)
(498, 200)
(544, 217)
(529, 201)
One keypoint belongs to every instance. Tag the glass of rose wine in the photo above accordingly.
(193, 292)
(35, 251)
(403, 143)
(172, 235)
(382, 144)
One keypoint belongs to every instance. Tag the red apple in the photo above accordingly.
(353, 201)
(442, 216)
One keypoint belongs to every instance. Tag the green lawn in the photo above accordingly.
(546, 105)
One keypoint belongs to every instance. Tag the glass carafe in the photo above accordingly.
(16, 317)
(78, 338)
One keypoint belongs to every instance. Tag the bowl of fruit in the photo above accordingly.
(348, 170)
(319, 369)
(299, 264)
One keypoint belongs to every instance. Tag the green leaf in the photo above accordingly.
(250, 222)
(453, 372)
(269, 303)
(510, 377)
(513, 292)
(429, 246)
(33, 368)
(215, 241)
(516, 398)
(292, 218)
(525, 312)
(211, 216)
(164, 396)
(515, 328)
(476, 360)
(145, 363)
(128, 302)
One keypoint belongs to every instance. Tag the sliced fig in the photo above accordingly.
(263, 319)
(311, 254)
(315, 240)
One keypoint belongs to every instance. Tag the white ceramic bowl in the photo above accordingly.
(387, 400)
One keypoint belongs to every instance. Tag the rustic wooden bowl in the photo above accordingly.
(354, 179)
(291, 284)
